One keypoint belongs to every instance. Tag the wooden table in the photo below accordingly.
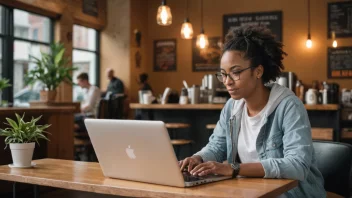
(87, 176)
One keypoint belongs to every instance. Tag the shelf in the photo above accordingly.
(321, 107)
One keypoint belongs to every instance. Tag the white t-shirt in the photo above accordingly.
(250, 127)
(91, 100)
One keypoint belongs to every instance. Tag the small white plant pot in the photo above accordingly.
(22, 154)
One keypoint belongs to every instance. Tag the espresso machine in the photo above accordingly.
(216, 91)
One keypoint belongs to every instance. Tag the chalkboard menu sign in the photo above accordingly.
(90, 7)
(340, 62)
(271, 20)
(340, 19)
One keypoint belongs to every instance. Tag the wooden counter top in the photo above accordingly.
(87, 176)
(65, 109)
(177, 106)
(328, 107)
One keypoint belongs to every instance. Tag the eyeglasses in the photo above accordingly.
(234, 75)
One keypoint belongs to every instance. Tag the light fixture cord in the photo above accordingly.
(308, 16)
(201, 13)
(186, 8)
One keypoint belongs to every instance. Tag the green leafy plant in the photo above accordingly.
(52, 69)
(23, 132)
(4, 83)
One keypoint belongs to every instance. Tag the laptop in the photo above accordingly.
(139, 151)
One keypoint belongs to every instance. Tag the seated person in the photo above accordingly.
(115, 86)
(264, 129)
(90, 102)
(143, 83)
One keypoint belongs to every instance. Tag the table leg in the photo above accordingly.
(14, 190)
(36, 192)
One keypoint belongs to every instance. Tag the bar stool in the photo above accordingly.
(177, 143)
(210, 128)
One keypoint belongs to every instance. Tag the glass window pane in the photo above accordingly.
(85, 62)
(1, 17)
(22, 64)
(84, 38)
(0, 58)
(31, 26)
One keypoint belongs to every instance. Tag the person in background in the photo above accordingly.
(264, 129)
(115, 86)
(143, 82)
(90, 102)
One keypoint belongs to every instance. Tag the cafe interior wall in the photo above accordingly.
(308, 64)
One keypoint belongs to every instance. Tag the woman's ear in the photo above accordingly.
(259, 71)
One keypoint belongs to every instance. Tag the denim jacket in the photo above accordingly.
(284, 143)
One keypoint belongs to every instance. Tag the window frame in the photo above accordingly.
(96, 52)
(8, 41)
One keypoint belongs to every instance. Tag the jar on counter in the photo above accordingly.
(184, 96)
(311, 97)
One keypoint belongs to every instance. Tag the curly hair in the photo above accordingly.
(260, 47)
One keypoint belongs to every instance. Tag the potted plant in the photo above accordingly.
(51, 69)
(21, 136)
(4, 83)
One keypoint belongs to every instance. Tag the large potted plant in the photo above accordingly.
(22, 136)
(4, 83)
(51, 69)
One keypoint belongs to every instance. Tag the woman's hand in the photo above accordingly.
(191, 162)
(212, 168)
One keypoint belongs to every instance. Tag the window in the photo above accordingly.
(24, 35)
(85, 57)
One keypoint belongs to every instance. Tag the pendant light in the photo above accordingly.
(187, 29)
(202, 38)
(309, 42)
(164, 16)
(334, 43)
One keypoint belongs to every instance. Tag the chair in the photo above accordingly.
(177, 143)
(116, 106)
(82, 145)
(334, 161)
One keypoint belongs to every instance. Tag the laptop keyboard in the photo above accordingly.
(190, 178)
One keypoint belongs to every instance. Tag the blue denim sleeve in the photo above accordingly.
(216, 149)
(297, 145)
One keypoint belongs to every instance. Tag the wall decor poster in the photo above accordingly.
(165, 55)
(207, 59)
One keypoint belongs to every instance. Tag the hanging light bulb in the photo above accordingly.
(187, 30)
(202, 39)
(334, 43)
(309, 42)
(164, 16)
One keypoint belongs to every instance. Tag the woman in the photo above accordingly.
(264, 130)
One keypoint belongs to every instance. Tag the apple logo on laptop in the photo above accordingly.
(130, 152)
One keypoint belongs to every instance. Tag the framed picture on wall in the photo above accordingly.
(165, 55)
(207, 59)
